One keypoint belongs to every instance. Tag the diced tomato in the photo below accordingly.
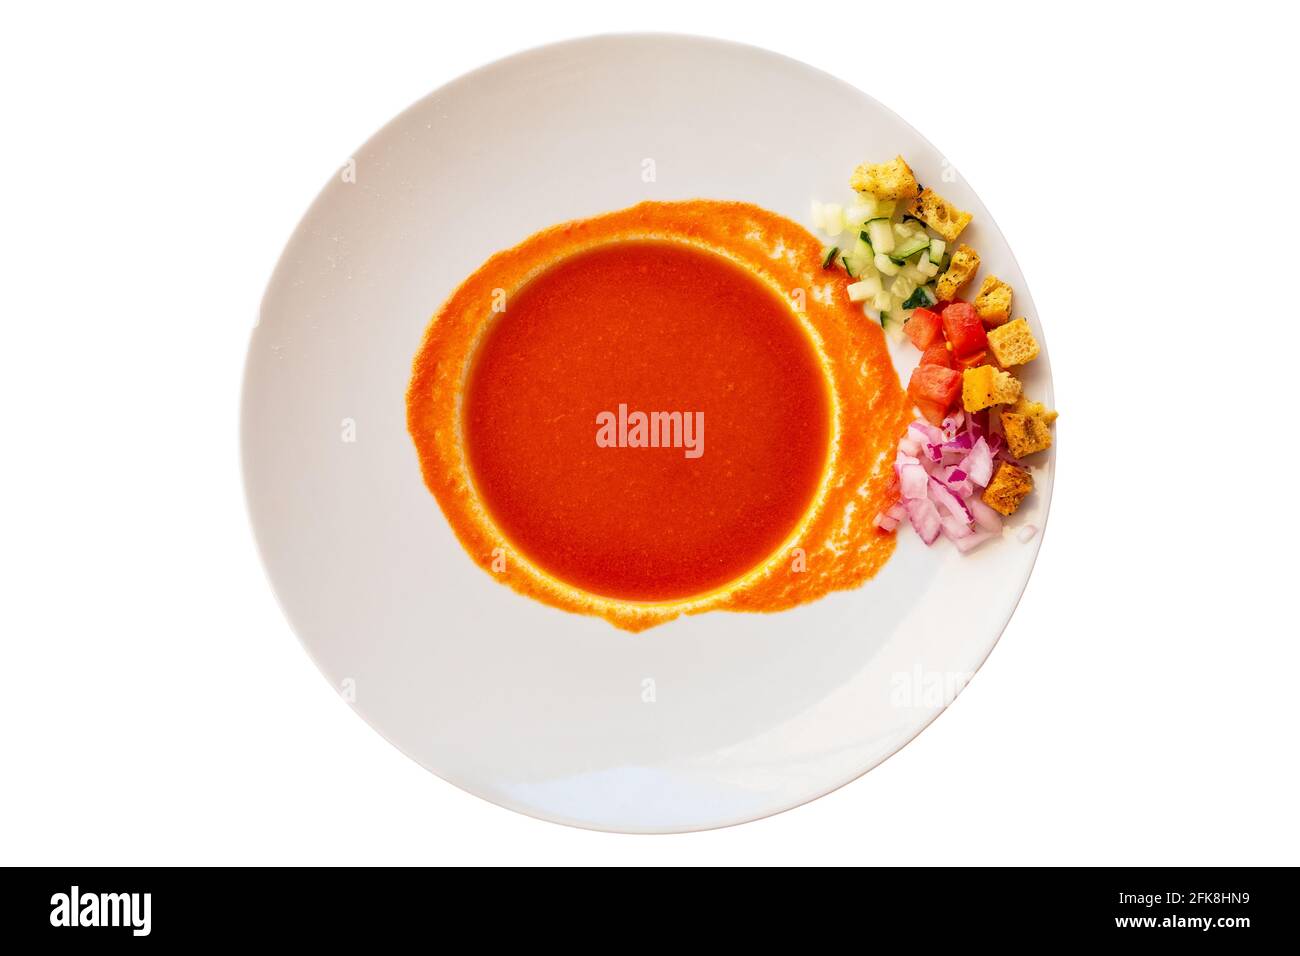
(937, 354)
(932, 413)
(972, 360)
(934, 389)
(965, 331)
(923, 328)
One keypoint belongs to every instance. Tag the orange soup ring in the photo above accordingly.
(668, 409)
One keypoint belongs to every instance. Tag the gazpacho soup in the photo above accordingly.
(667, 409)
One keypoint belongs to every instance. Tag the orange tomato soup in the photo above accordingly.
(653, 327)
(758, 496)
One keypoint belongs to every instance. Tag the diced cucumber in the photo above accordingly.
(858, 260)
(883, 301)
(865, 289)
(909, 247)
(886, 265)
(901, 287)
(914, 273)
(926, 267)
(828, 259)
(937, 249)
(922, 298)
(818, 215)
(892, 322)
(880, 235)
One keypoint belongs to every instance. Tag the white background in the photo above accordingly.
(155, 708)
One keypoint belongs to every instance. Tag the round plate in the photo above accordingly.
(707, 721)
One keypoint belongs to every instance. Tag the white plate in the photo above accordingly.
(533, 708)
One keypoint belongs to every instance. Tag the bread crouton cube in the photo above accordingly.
(939, 214)
(965, 263)
(1024, 406)
(1013, 343)
(1008, 487)
(993, 301)
(891, 180)
(985, 385)
(1025, 434)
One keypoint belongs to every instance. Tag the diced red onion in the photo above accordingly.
(962, 489)
(985, 517)
(924, 432)
(944, 496)
(900, 460)
(957, 480)
(979, 463)
(952, 456)
(925, 519)
(940, 472)
(953, 528)
(912, 481)
(952, 424)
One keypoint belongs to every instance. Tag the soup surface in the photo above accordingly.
(732, 393)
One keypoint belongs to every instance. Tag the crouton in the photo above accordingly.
(1013, 343)
(965, 263)
(1027, 427)
(891, 180)
(939, 214)
(1008, 488)
(985, 385)
(1024, 406)
(993, 301)
(1025, 434)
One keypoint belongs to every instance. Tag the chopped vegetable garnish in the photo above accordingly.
(959, 469)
